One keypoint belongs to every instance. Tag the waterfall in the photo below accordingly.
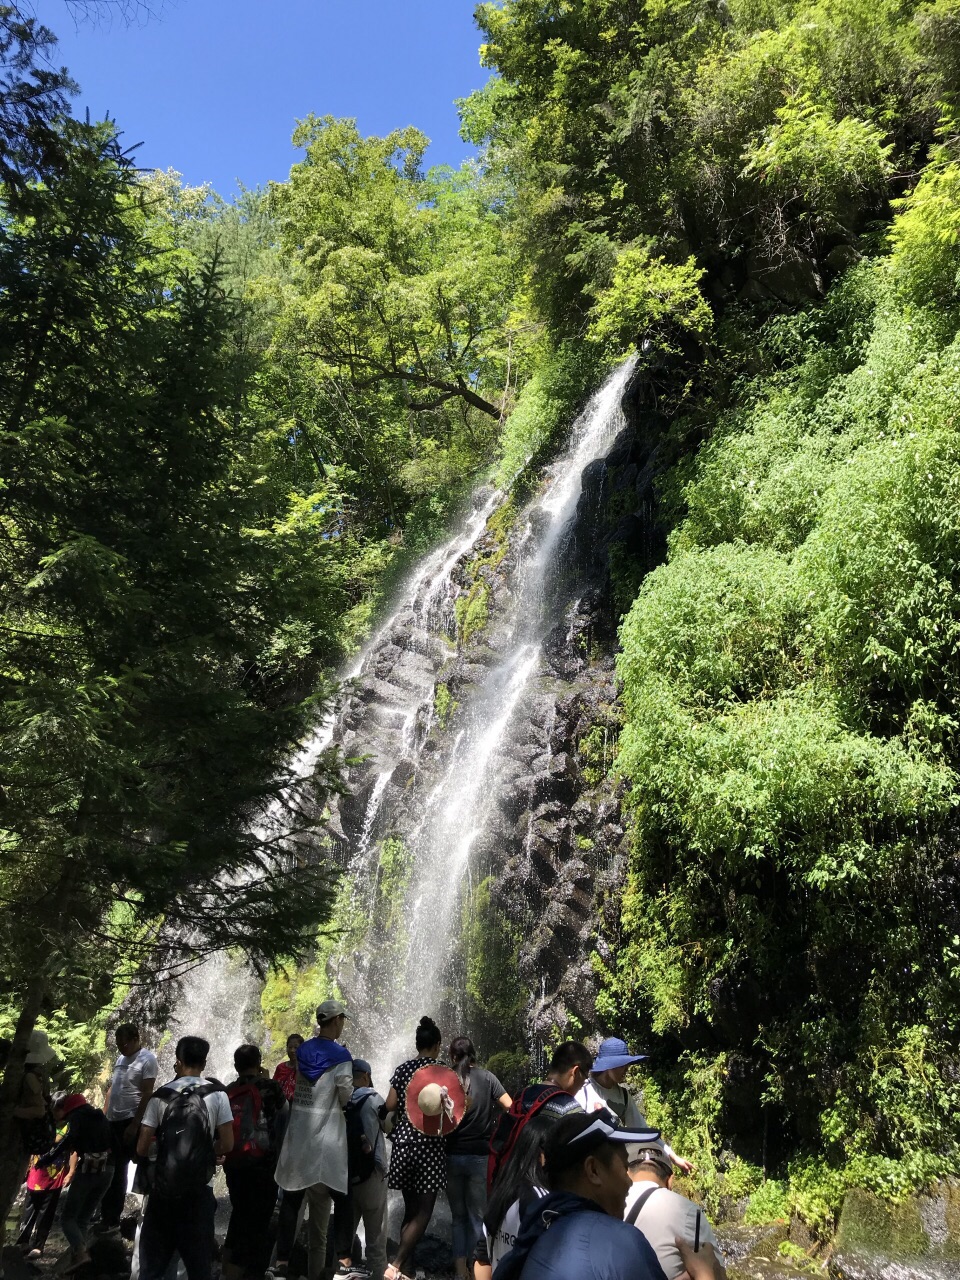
(442, 826)
(433, 788)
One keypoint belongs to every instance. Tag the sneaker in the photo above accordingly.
(351, 1272)
(278, 1271)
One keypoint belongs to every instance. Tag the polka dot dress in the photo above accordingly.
(417, 1162)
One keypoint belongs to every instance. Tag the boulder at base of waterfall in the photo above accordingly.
(916, 1239)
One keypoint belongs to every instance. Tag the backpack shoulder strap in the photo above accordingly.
(637, 1209)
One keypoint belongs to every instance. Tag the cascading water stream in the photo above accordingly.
(438, 793)
(218, 998)
(455, 813)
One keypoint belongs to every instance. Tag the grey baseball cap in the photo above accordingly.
(331, 1009)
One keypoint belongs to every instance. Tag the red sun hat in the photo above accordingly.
(435, 1100)
(70, 1103)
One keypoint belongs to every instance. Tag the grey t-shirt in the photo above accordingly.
(472, 1135)
(665, 1215)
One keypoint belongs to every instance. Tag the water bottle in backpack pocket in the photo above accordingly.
(185, 1156)
(252, 1138)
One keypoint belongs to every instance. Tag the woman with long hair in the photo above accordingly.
(467, 1150)
(418, 1161)
(518, 1182)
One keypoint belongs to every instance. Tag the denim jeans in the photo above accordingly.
(467, 1193)
(81, 1203)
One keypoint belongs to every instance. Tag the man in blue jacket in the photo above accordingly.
(578, 1230)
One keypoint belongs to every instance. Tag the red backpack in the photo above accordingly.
(251, 1132)
(510, 1125)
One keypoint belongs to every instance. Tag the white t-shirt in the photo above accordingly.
(616, 1098)
(500, 1245)
(665, 1215)
(129, 1074)
(594, 1096)
(218, 1106)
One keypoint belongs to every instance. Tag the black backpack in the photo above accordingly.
(360, 1156)
(185, 1157)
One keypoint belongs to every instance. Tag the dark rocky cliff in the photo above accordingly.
(551, 850)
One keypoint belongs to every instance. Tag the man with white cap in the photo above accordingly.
(578, 1229)
(605, 1089)
(313, 1158)
(663, 1215)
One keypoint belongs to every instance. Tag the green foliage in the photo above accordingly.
(288, 1002)
(444, 704)
(413, 262)
(162, 641)
(768, 1203)
(750, 136)
(490, 945)
(290, 995)
(925, 237)
(393, 876)
(562, 380)
(790, 744)
(80, 1045)
(650, 301)
(512, 1067)
(471, 612)
(596, 753)
(807, 155)
(34, 95)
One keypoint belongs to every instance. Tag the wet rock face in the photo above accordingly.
(553, 838)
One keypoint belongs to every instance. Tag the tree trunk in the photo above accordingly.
(12, 1156)
(11, 1149)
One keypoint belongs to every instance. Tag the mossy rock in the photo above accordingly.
(743, 1244)
(908, 1240)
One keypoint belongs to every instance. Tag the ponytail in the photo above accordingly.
(463, 1056)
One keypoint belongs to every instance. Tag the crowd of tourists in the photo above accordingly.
(564, 1180)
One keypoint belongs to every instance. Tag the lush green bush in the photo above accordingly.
(791, 685)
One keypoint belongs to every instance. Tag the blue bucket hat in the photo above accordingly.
(614, 1053)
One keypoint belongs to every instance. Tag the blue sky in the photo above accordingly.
(212, 88)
